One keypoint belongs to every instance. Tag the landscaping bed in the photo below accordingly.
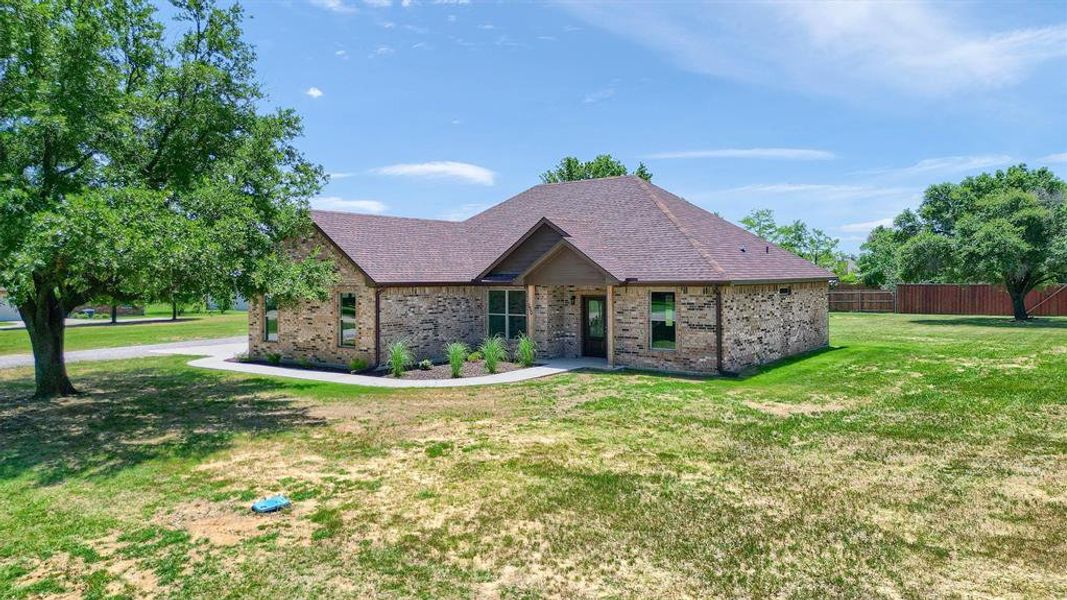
(473, 368)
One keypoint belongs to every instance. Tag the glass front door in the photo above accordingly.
(594, 326)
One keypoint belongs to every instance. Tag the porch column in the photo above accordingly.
(611, 326)
(531, 302)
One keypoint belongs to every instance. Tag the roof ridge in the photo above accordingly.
(680, 226)
(376, 216)
(585, 180)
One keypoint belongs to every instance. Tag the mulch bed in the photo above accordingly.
(470, 369)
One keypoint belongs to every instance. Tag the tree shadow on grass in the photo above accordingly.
(745, 374)
(1003, 322)
(130, 415)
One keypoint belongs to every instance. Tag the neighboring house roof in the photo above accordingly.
(633, 230)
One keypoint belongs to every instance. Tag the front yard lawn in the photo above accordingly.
(193, 327)
(920, 456)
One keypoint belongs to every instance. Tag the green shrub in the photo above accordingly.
(357, 365)
(457, 354)
(425, 364)
(305, 363)
(493, 351)
(399, 358)
(274, 358)
(474, 356)
(526, 352)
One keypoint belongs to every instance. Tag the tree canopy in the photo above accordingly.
(1007, 228)
(134, 166)
(571, 168)
(809, 243)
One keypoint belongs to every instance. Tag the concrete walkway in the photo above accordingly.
(26, 360)
(218, 355)
(8, 325)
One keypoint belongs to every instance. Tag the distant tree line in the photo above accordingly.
(809, 243)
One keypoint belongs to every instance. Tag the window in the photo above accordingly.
(270, 320)
(662, 320)
(785, 291)
(348, 320)
(507, 313)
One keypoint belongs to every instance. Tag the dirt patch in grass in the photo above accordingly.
(789, 409)
(219, 523)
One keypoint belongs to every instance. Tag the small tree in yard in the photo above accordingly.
(133, 167)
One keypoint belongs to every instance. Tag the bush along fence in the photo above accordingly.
(947, 299)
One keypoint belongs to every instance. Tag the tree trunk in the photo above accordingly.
(173, 310)
(44, 320)
(114, 313)
(1018, 304)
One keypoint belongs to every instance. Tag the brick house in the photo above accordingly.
(615, 268)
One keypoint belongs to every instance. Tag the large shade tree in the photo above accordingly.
(134, 166)
(1007, 228)
(571, 168)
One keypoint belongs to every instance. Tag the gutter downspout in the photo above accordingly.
(377, 327)
(718, 329)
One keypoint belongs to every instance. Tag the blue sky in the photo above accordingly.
(837, 114)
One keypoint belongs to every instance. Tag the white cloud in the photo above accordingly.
(823, 191)
(454, 2)
(851, 49)
(341, 175)
(378, 3)
(866, 226)
(338, 6)
(446, 169)
(1055, 158)
(949, 164)
(598, 95)
(342, 54)
(341, 204)
(314, 92)
(387, 24)
(464, 211)
(382, 51)
(761, 153)
(487, 26)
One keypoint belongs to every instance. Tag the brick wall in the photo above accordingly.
(761, 325)
(310, 330)
(694, 350)
(557, 324)
(428, 318)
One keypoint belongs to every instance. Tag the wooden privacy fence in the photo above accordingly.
(978, 299)
(845, 298)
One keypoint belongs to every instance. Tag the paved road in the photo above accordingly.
(26, 360)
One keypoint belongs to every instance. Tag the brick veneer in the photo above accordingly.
(557, 325)
(694, 350)
(309, 330)
(428, 318)
(762, 325)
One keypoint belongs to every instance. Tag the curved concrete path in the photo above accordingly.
(142, 351)
(217, 357)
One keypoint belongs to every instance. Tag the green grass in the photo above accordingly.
(199, 326)
(917, 457)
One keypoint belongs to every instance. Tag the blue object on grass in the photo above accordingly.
(271, 504)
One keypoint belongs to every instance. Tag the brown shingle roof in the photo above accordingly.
(631, 228)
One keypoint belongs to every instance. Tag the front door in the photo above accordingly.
(594, 326)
